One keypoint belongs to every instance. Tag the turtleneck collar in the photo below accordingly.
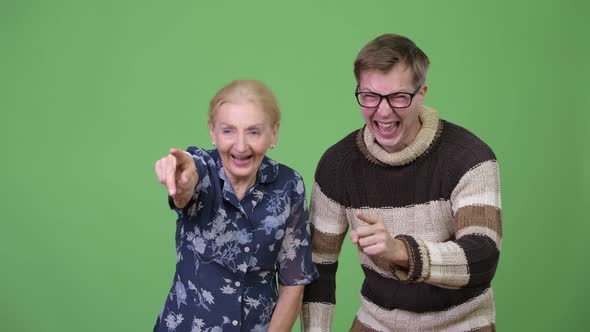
(424, 139)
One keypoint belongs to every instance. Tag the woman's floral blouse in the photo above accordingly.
(230, 252)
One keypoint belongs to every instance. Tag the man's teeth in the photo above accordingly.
(388, 125)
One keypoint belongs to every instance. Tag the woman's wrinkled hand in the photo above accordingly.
(177, 172)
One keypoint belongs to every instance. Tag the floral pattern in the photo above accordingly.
(230, 254)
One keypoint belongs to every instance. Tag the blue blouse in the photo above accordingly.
(230, 252)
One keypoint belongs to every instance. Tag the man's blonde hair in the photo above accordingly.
(389, 50)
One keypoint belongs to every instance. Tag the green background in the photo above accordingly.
(92, 93)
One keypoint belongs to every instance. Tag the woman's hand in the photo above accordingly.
(375, 241)
(177, 172)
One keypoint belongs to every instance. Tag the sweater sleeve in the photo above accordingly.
(471, 257)
(328, 228)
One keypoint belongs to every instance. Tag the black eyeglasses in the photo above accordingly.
(395, 100)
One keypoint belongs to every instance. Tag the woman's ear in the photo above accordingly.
(275, 133)
(211, 133)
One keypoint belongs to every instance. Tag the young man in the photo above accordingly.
(421, 197)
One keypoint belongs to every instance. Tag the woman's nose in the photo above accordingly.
(242, 143)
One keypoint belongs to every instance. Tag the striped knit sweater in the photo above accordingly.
(441, 197)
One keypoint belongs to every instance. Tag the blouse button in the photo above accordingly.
(235, 322)
(237, 284)
(247, 249)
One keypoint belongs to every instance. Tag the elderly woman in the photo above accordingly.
(242, 223)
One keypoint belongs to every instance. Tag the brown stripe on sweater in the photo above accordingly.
(323, 290)
(482, 258)
(418, 297)
(484, 216)
(489, 328)
(326, 245)
(476, 313)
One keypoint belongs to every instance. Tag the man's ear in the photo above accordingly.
(423, 90)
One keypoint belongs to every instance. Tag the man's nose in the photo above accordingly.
(384, 108)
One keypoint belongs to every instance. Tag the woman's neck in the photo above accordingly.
(241, 185)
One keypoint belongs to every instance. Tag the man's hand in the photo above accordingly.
(177, 172)
(375, 241)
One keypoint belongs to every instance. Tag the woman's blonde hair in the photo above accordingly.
(250, 91)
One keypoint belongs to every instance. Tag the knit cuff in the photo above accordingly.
(419, 262)
(317, 317)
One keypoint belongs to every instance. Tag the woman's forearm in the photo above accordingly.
(287, 309)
